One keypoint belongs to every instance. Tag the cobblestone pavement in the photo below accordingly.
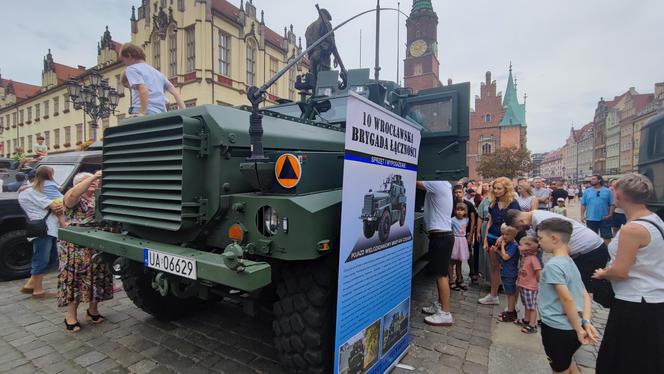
(220, 339)
(461, 348)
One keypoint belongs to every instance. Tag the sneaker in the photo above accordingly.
(489, 300)
(439, 319)
(434, 308)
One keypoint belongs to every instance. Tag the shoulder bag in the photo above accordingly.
(36, 228)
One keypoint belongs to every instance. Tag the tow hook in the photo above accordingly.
(232, 257)
(160, 284)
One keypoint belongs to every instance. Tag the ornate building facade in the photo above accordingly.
(212, 50)
(496, 122)
(421, 66)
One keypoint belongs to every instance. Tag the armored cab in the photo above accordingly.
(384, 207)
(651, 160)
(189, 212)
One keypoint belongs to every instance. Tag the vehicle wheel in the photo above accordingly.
(369, 229)
(15, 255)
(304, 315)
(402, 218)
(137, 283)
(384, 226)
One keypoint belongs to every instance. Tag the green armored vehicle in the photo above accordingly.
(199, 203)
(383, 208)
(651, 160)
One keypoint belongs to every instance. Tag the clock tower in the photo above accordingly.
(421, 64)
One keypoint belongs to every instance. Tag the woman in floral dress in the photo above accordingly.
(83, 277)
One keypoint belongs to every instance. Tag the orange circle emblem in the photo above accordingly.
(288, 170)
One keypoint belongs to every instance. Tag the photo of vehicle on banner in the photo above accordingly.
(377, 225)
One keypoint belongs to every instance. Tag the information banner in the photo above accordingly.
(377, 225)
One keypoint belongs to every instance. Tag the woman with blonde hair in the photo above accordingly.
(38, 206)
(525, 197)
(634, 337)
(502, 196)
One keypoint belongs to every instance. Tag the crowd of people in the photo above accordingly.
(613, 255)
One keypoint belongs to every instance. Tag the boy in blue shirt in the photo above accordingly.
(564, 305)
(509, 270)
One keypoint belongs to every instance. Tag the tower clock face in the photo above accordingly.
(418, 48)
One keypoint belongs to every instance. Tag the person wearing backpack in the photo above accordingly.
(634, 336)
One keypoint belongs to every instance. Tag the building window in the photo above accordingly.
(46, 108)
(14, 119)
(65, 100)
(224, 54)
(251, 63)
(56, 105)
(56, 137)
(47, 138)
(191, 49)
(190, 103)
(291, 83)
(29, 114)
(274, 67)
(79, 133)
(181, 5)
(118, 84)
(2, 123)
(23, 143)
(156, 54)
(487, 118)
(68, 136)
(30, 142)
(37, 115)
(172, 55)
(486, 148)
(20, 116)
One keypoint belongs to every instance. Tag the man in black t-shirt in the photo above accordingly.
(558, 192)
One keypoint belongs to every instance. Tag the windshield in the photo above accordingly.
(61, 172)
(435, 116)
(337, 112)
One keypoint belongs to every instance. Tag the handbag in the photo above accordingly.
(602, 290)
(36, 228)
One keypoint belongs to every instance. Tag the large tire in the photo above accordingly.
(137, 283)
(304, 316)
(15, 255)
(369, 229)
(402, 217)
(384, 226)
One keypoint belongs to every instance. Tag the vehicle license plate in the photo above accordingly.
(178, 265)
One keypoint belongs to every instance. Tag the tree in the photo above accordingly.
(510, 162)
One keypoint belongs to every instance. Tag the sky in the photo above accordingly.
(566, 53)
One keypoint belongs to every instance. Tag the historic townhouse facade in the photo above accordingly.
(551, 167)
(212, 50)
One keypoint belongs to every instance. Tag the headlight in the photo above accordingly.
(267, 221)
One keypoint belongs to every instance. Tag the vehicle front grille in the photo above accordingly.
(144, 177)
(368, 204)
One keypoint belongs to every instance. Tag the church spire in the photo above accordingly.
(515, 113)
(421, 5)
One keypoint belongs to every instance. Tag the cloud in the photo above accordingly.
(567, 54)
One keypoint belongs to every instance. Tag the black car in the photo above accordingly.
(15, 250)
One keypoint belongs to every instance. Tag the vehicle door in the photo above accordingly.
(444, 113)
(651, 160)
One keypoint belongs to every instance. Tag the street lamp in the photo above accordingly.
(97, 98)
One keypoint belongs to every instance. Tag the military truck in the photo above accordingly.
(384, 207)
(356, 359)
(651, 160)
(197, 211)
(15, 250)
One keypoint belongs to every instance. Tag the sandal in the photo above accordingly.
(96, 318)
(44, 295)
(455, 287)
(462, 287)
(27, 290)
(74, 327)
(507, 316)
(474, 279)
(522, 322)
(527, 329)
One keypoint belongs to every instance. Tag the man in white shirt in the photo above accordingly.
(438, 223)
(587, 249)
